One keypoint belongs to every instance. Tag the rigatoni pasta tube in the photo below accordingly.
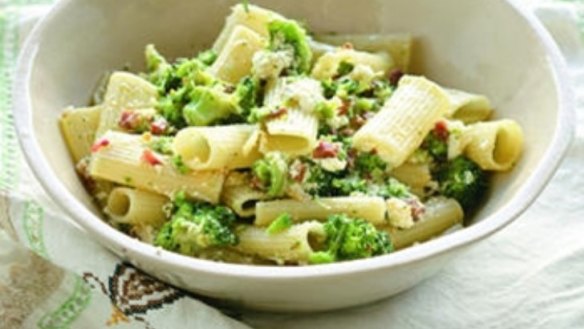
(125, 91)
(404, 121)
(292, 246)
(204, 148)
(235, 59)
(413, 175)
(468, 107)
(371, 209)
(238, 194)
(494, 145)
(328, 64)
(78, 126)
(440, 215)
(125, 160)
(252, 17)
(398, 45)
(131, 206)
(294, 133)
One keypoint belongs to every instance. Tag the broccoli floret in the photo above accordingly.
(196, 226)
(382, 90)
(436, 146)
(248, 95)
(325, 110)
(282, 223)
(170, 106)
(272, 173)
(207, 57)
(320, 182)
(348, 238)
(463, 180)
(345, 68)
(192, 72)
(329, 88)
(349, 185)
(370, 164)
(160, 72)
(347, 87)
(207, 106)
(288, 35)
(179, 165)
(162, 145)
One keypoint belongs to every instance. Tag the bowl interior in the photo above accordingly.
(479, 46)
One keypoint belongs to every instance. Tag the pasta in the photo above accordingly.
(235, 60)
(294, 134)
(292, 246)
(467, 107)
(125, 160)
(255, 18)
(441, 214)
(240, 196)
(79, 126)
(204, 148)
(401, 125)
(124, 91)
(494, 145)
(398, 45)
(328, 64)
(131, 206)
(371, 209)
(273, 148)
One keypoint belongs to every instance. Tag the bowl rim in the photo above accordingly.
(126, 245)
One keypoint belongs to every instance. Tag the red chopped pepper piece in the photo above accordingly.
(158, 127)
(128, 120)
(150, 158)
(325, 150)
(441, 130)
(100, 144)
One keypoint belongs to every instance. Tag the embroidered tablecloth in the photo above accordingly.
(529, 275)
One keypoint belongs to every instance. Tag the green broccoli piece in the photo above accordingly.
(344, 68)
(350, 184)
(320, 182)
(329, 88)
(370, 164)
(208, 105)
(196, 226)
(207, 57)
(390, 188)
(463, 180)
(248, 95)
(154, 60)
(288, 35)
(272, 173)
(193, 72)
(170, 106)
(325, 110)
(347, 87)
(179, 164)
(348, 238)
(282, 223)
(162, 145)
(437, 147)
(160, 72)
(382, 90)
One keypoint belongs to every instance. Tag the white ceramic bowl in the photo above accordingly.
(487, 46)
